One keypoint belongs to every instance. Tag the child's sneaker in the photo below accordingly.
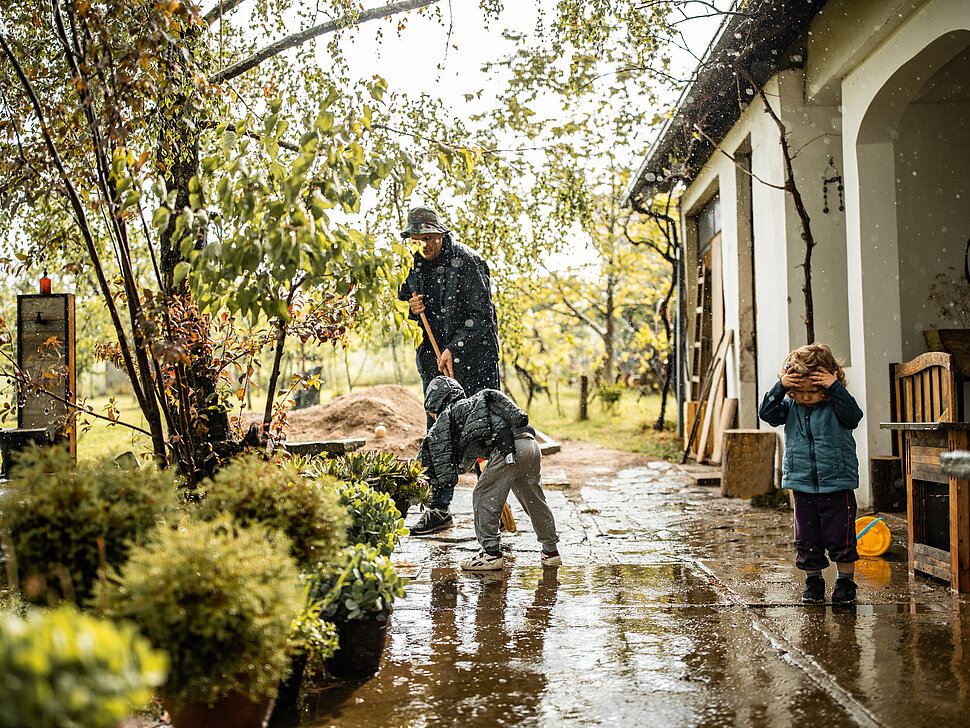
(815, 590)
(432, 521)
(844, 592)
(551, 558)
(484, 561)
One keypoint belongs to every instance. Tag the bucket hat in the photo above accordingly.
(422, 220)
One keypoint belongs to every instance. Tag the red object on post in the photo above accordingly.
(45, 285)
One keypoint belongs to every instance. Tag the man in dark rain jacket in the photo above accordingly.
(449, 284)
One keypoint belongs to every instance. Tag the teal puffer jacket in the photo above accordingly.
(820, 454)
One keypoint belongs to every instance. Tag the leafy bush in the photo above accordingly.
(59, 516)
(64, 668)
(609, 395)
(367, 582)
(220, 598)
(313, 636)
(374, 520)
(399, 478)
(253, 490)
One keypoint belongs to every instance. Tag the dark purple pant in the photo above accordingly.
(824, 521)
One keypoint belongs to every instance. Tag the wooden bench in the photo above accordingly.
(324, 447)
(938, 517)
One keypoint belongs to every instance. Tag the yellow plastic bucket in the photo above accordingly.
(872, 536)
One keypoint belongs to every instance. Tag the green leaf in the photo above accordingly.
(181, 271)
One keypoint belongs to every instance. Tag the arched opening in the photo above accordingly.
(914, 182)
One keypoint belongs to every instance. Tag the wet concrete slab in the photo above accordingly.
(674, 607)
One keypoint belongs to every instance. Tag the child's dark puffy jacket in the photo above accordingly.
(820, 455)
(466, 428)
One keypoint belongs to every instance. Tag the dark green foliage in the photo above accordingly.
(777, 499)
(63, 668)
(253, 490)
(399, 478)
(55, 514)
(374, 519)
(367, 582)
(221, 599)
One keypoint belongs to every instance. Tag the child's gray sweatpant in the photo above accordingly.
(522, 478)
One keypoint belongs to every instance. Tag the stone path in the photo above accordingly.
(674, 607)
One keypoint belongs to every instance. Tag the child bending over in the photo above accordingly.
(487, 425)
(820, 465)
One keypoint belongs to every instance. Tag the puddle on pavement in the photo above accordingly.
(653, 640)
(573, 647)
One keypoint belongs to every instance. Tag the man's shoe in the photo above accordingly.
(844, 592)
(432, 521)
(814, 590)
(551, 559)
(484, 561)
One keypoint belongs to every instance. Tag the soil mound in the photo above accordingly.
(357, 415)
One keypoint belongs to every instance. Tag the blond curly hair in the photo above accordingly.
(808, 359)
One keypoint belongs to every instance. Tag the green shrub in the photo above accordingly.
(58, 516)
(221, 599)
(399, 478)
(609, 395)
(254, 490)
(312, 635)
(368, 582)
(63, 668)
(374, 519)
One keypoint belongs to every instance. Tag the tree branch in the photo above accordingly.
(303, 36)
(221, 8)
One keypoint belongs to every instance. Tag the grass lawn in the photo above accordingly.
(105, 440)
(629, 426)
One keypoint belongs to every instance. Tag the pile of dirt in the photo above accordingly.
(357, 415)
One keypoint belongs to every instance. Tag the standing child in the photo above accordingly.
(487, 425)
(820, 465)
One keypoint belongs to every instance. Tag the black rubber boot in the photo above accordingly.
(814, 590)
(844, 592)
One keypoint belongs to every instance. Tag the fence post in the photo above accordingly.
(583, 397)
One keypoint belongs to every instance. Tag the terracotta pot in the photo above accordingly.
(235, 709)
(362, 644)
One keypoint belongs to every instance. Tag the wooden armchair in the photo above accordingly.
(925, 389)
(938, 507)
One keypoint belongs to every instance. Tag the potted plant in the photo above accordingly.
(950, 292)
(220, 598)
(374, 519)
(254, 490)
(358, 599)
(66, 522)
(403, 480)
(61, 667)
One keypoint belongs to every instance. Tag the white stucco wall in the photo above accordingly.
(770, 240)
(875, 95)
(873, 263)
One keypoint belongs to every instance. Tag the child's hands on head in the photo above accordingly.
(823, 377)
(792, 380)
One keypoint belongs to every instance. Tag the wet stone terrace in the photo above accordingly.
(674, 607)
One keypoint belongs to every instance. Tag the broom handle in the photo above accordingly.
(434, 343)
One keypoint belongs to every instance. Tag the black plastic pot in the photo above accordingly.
(402, 504)
(289, 692)
(362, 644)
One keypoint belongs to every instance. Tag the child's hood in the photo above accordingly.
(442, 392)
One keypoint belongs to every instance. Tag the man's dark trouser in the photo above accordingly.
(824, 521)
(485, 376)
